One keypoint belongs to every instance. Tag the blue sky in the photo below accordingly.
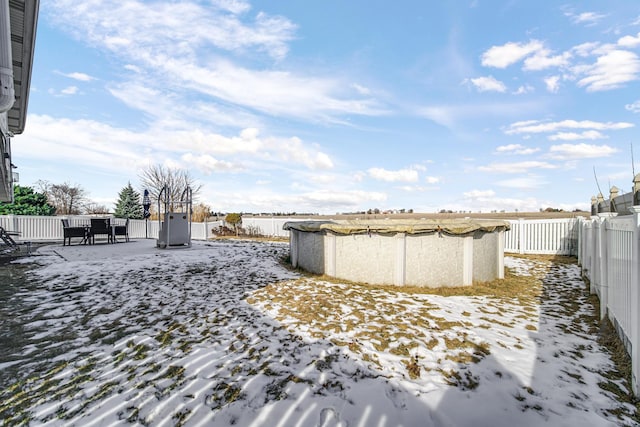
(338, 106)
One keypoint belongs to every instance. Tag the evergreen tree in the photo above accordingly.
(128, 205)
(27, 202)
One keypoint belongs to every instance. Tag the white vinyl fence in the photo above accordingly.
(269, 226)
(542, 236)
(609, 253)
(49, 228)
(553, 236)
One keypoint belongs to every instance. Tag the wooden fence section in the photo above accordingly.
(609, 253)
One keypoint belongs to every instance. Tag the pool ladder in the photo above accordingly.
(7, 239)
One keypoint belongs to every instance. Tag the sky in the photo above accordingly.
(336, 106)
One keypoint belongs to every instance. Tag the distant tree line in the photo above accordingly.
(68, 199)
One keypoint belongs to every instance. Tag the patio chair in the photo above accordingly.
(6, 238)
(69, 232)
(121, 230)
(101, 226)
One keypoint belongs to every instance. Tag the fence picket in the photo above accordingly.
(610, 258)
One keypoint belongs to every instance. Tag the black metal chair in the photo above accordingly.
(70, 232)
(121, 230)
(101, 226)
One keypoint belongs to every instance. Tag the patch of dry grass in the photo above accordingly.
(393, 319)
(608, 337)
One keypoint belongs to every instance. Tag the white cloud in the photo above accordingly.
(585, 49)
(433, 179)
(84, 143)
(341, 198)
(70, 90)
(535, 126)
(233, 6)
(613, 66)
(134, 23)
(293, 150)
(79, 76)
(516, 149)
(516, 167)
(487, 200)
(272, 92)
(611, 70)
(402, 175)
(552, 83)
(633, 107)
(580, 151)
(358, 176)
(488, 84)
(310, 201)
(629, 41)
(416, 188)
(475, 194)
(509, 53)
(450, 115)
(524, 90)
(572, 136)
(133, 68)
(442, 115)
(587, 18)
(523, 183)
(207, 164)
(171, 112)
(153, 40)
(542, 59)
(361, 89)
(323, 179)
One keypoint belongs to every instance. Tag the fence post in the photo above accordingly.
(604, 247)
(521, 242)
(578, 226)
(635, 298)
(595, 254)
(603, 282)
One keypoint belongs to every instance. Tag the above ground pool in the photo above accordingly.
(430, 253)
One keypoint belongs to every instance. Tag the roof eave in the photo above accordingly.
(22, 70)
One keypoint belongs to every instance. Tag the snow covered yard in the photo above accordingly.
(222, 334)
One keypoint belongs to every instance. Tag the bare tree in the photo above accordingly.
(155, 177)
(93, 208)
(67, 199)
(201, 212)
